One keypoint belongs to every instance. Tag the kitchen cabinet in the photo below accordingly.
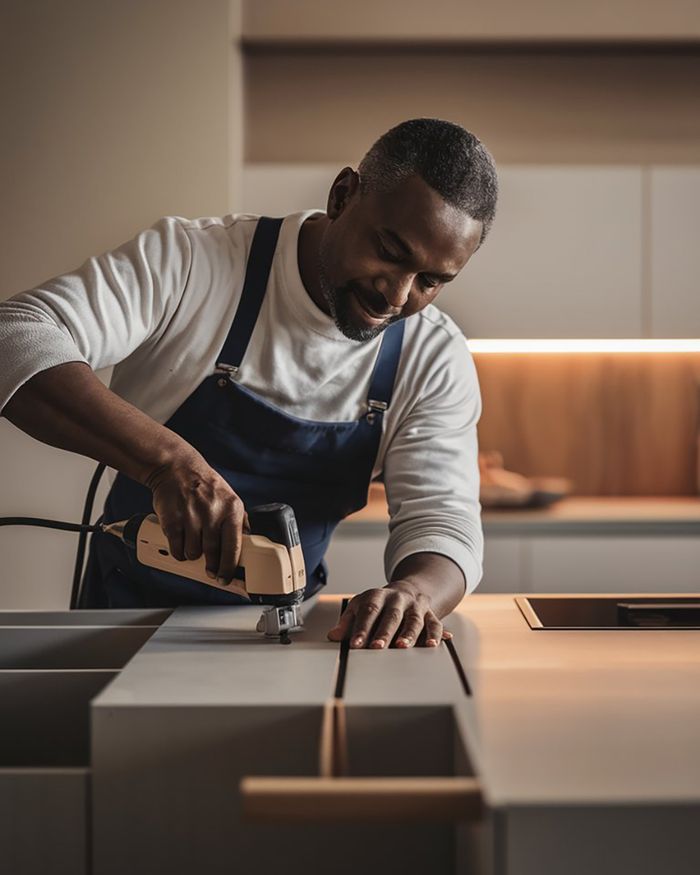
(52, 664)
(614, 564)
(675, 256)
(563, 258)
(355, 559)
(356, 562)
(620, 258)
(505, 565)
(580, 545)
(510, 751)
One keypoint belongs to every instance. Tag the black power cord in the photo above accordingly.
(85, 528)
(77, 588)
(46, 524)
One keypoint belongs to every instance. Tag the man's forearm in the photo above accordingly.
(433, 575)
(68, 407)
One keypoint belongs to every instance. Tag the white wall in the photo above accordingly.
(114, 113)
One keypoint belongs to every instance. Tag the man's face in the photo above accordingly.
(386, 256)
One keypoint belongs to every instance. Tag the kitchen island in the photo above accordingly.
(513, 751)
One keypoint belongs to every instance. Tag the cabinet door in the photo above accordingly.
(504, 569)
(563, 259)
(615, 564)
(355, 561)
(675, 256)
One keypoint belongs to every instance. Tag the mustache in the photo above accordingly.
(374, 301)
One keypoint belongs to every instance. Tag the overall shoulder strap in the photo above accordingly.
(381, 386)
(262, 251)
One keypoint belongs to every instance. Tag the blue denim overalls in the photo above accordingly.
(321, 469)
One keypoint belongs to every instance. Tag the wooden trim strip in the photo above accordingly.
(285, 800)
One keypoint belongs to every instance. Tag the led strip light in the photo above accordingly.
(577, 345)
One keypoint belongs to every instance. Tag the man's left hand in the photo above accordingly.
(398, 615)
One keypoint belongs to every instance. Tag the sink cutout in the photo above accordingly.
(611, 612)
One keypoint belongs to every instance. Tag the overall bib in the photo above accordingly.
(321, 469)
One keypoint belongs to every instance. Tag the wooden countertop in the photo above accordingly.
(677, 515)
(579, 716)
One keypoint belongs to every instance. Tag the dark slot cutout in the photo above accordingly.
(459, 668)
(84, 618)
(45, 717)
(404, 741)
(70, 647)
(344, 652)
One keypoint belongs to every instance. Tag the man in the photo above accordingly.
(258, 360)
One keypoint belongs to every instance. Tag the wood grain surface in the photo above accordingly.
(615, 424)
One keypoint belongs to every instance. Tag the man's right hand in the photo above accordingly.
(67, 406)
(198, 513)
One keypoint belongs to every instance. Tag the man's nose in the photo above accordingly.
(395, 290)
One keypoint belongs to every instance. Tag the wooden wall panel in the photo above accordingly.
(617, 424)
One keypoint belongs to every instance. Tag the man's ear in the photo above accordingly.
(344, 188)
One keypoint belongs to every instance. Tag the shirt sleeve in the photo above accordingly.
(98, 314)
(431, 470)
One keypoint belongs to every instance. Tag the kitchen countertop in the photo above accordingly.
(579, 717)
(677, 515)
(583, 744)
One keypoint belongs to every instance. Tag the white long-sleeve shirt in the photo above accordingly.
(159, 308)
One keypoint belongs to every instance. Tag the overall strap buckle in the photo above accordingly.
(374, 408)
(230, 372)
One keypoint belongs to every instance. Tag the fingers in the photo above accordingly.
(411, 628)
(223, 542)
(369, 608)
(200, 514)
(193, 541)
(378, 617)
(342, 629)
(212, 540)
(175, 534)
(432, 633)
(388, 624)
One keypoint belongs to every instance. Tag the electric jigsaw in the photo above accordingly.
(271, 570)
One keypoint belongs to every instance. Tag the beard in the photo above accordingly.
(339, 300)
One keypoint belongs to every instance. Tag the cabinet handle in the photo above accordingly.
(281, 799)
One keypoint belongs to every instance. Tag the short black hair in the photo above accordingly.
(450, 159)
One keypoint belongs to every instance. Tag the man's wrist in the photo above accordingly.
(172, 453)
(410, 586)
(432, 576)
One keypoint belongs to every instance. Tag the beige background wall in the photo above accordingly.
(113, 113)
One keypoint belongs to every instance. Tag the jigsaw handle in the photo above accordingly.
(271, 563)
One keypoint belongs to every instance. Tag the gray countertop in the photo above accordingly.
(554, 716)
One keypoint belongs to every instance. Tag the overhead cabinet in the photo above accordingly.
(575, 251)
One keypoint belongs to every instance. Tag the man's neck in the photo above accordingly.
(308, 250)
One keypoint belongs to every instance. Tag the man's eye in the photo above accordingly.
(385, 253)
(428, 283)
